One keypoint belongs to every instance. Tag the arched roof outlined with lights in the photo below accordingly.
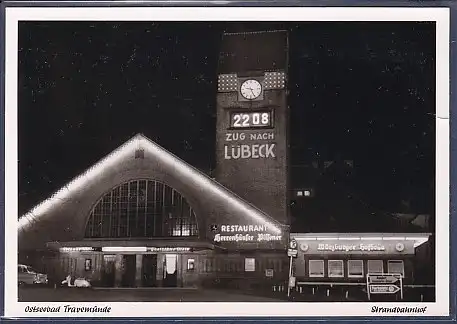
(63, 216)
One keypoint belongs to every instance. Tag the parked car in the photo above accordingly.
(76, 282)
(26, 275)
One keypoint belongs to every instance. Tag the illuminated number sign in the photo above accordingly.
(251, 119)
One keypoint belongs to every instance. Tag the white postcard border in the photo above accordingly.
(441, 16)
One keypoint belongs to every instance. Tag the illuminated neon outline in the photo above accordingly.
(124, 249)
(418, 238)
(182, 168)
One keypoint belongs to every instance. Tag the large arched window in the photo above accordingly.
(141, 208)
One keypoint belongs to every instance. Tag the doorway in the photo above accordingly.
(149, 270)
(170, 270)
(108, 273)
(128, 270)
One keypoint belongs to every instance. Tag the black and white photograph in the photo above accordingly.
(227, 162)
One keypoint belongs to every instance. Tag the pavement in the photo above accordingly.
(49, 294)
(60, 294)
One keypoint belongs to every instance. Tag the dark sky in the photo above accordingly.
(360, 91)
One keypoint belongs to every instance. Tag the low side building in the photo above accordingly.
(347, 258)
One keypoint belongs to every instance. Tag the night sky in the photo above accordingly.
(358, 91)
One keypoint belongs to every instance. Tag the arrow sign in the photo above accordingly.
(292, 253)
(388, 279)
(384, 289)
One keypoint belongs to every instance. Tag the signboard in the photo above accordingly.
(350, 247)
(384, 279)
(292, 282)
(293, 244)
(384, 284)
(77, 249)
(292, 253)
(356, 247)
(245, 234)
(249, 264)
(169, 249)
(269, 273)
(249, 119)
(384, 289)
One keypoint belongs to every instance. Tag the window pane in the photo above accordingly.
(355, 268)
(335, 268)
(396, 266)
(141, 208)
(249, 264)
(316, 268)
(190, 264)
(375, 266)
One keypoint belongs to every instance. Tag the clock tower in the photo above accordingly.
(252, 119)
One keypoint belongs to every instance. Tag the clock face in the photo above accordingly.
(251, 89)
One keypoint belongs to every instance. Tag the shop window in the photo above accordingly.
(335, 268)
(316, 268)
(375, 266)
(355, 268)
(249, 264)
(396, 266)
(190, 264)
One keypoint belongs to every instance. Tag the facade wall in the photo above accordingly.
(211, 269)
(301, 268)
(260, 181)
(66, 221)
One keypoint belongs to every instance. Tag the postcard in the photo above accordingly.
(188, 162)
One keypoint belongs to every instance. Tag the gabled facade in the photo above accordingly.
(141, 205)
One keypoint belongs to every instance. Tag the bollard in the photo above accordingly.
(328, 292)
(313, 290)
(55, 286)
(347, 294)
(274, 288)
(301, 290)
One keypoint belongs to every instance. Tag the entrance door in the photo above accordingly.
(108, 274)
(149, 270)
(170, 270)
(129, 270)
